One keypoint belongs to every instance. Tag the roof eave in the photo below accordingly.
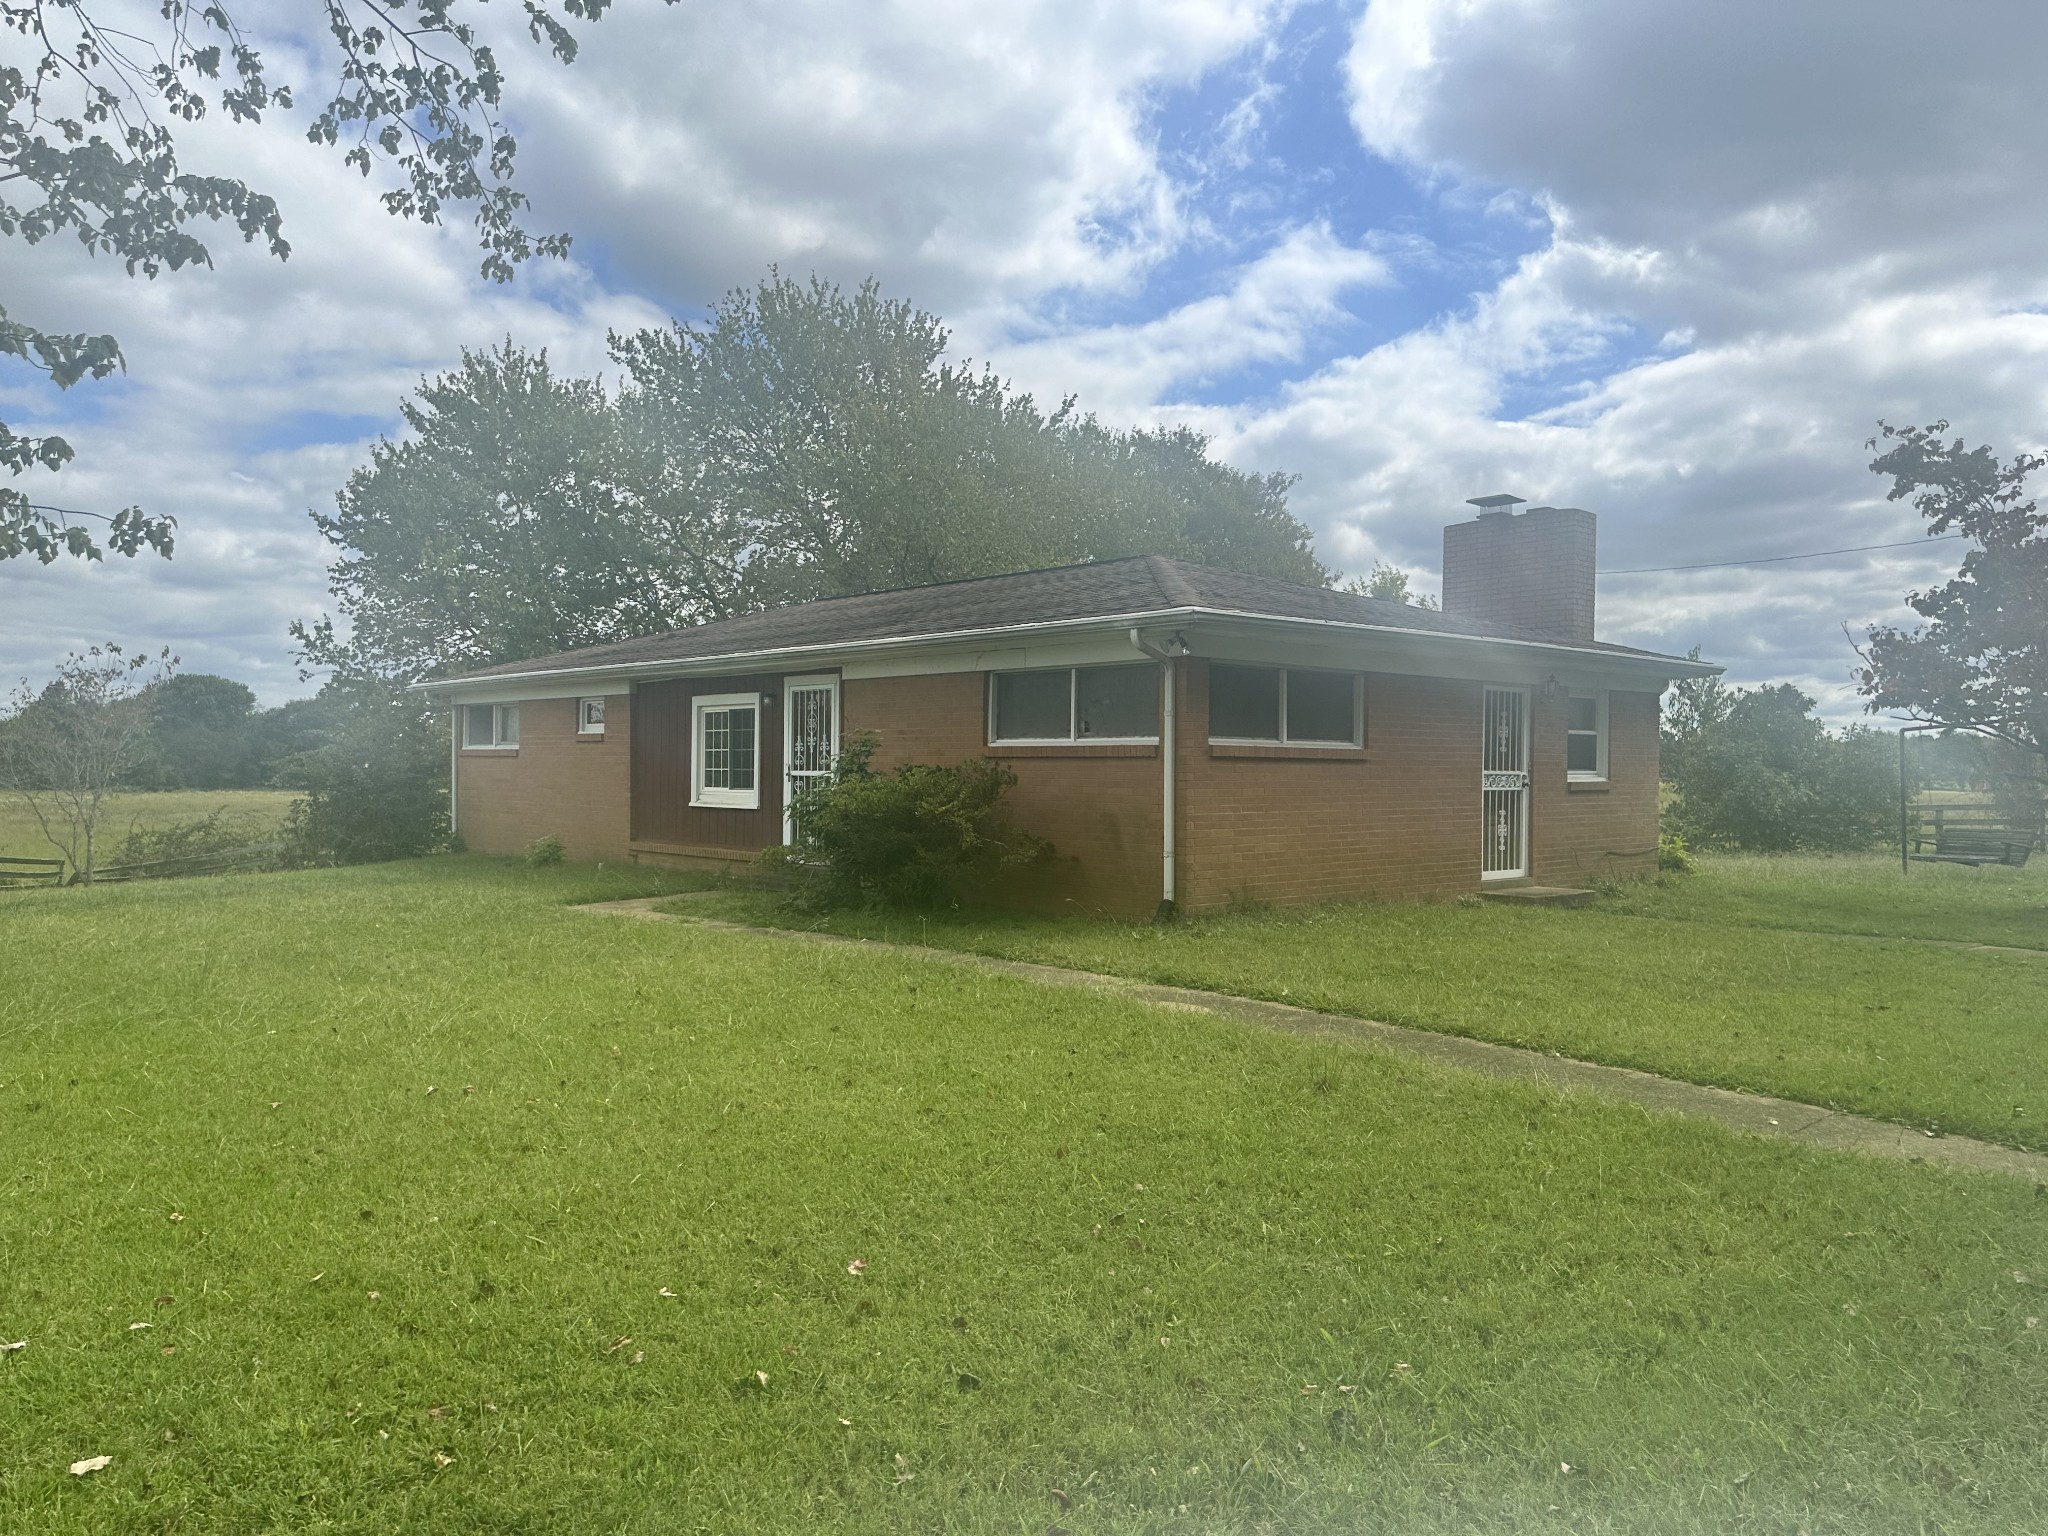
(1671, 666)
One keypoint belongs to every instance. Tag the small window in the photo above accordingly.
(1585, 736)
(490, 725)
(1109, 704)
(590, 717)
(725, 751)
(1286, 705)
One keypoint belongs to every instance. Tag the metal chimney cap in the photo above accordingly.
(1499, 502)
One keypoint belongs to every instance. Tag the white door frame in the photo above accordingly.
(829, 682)
(1503, 773)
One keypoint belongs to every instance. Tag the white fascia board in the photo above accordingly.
(1371, 647)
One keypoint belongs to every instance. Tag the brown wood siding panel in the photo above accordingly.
(662, 812)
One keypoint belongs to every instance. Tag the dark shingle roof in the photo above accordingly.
(1101, 589)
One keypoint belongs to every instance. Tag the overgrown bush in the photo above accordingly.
(377, 786)
(923, 836)
(1673, 855)
(1755, 769)
(247, 841)
(544, 852)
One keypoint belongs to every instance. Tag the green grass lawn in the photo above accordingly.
(1666, 979)
(261, 810)
(1862, 895)
(452, 1210)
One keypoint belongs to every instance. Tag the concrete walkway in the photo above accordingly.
(1750, 1113)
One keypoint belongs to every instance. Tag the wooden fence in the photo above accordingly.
(24, 874)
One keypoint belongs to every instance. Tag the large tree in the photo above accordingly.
(804, 443)
(89, 147)
(1980, 662)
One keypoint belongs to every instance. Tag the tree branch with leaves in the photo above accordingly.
(88, 147)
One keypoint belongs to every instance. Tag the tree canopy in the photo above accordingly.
(1980, 663)
(805, 442)
(89, 146)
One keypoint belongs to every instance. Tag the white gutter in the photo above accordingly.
(1168, 760)
(1674, 666)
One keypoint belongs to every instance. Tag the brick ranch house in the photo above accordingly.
(1177, 732)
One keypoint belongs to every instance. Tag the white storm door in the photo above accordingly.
(1504, 786)
(810, 738)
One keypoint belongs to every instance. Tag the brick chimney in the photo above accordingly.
(1532, 570)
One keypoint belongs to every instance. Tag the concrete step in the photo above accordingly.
(1538, 895)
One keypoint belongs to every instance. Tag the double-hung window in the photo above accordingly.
(725, 751)
(1286, 706)
(1585, 737)
(490, 725)
(1075, 704)
(590, 717)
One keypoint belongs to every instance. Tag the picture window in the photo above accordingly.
(487, 726)
(1286, 706)
(1076, 704)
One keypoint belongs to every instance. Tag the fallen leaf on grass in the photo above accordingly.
(1061, 1498)
(619, 1343)
(433, 1090)
(438, 1411)
(443, 1461)
(318, 1278)
(858, 1266)
(177, 1215)
(666, 1294)
(846, 1423)
(170, 1349)
(163, 1301)
(135, 1327)
(376, 1296)
(2032, 1322)
(17, 1345)
(762, 1377)
(638, 1356)
(90, 1464)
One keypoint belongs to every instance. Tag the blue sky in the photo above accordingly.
(1669, 263)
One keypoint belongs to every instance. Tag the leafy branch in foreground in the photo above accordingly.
(1981, 661)
(88, 147)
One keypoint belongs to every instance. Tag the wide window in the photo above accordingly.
(490, 725)
(1076, 704)
(590, 717)
(725, 751)
(1287, 705)
(1585, 736)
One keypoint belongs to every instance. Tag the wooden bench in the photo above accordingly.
(1974, 846)
(30, 872)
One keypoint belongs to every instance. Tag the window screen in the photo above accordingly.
(1582, 736)
(1034, 706)
(476, 725)
(1118, 701)
(1322, 706)
(508, 725)
(1244, 703)
(728, 748)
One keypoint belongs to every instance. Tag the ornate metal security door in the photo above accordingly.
(1504, 785)
(810, 738)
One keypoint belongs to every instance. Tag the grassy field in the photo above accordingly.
(1703, 978)
(261, 810)
(451, 1210)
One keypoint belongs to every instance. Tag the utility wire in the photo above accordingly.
(1716, 565)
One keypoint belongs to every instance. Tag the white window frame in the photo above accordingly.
(584, 727)
(711, 796)
(1073, 738)
(1355, 744)
(500, 741)
(1599, 773)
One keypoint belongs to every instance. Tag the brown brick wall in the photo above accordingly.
(1586, 832)
(1099, 806)
(1399, 822)
(556, 784)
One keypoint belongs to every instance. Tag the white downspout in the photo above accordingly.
(454, 761)
(1168, 757)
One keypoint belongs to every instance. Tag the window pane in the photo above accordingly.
(1034, 706)
(1582, 752)
(1119, 701)
(716, 737)
(1244, 703)
(1583, 715)
(476, 725)
(1321, 706)
(508, 725)
(593, 714)
(739, 760)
